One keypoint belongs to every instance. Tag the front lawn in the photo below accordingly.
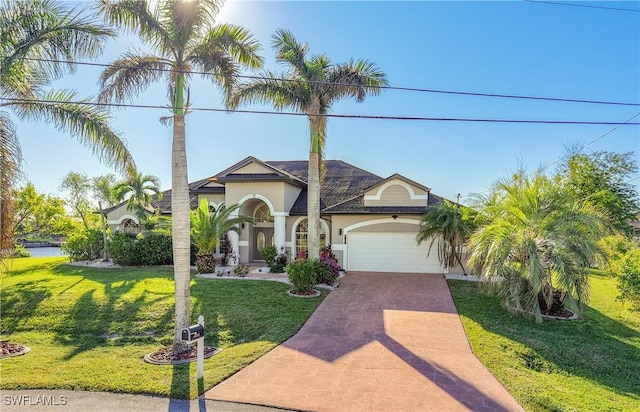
(592, 364)
(88, 329)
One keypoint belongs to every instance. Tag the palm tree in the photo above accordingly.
(537, 243)
(311, 87)
(138, 190)
(39, 42)
(207, 228)
(184, 38)
(450, 226)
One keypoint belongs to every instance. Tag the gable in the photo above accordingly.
(252, 168)
(396, 191)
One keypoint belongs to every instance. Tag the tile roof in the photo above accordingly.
(341, 192)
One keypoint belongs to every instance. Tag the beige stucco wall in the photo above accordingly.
(396, 193)
(215, 198)
(385, 224)
(281, 195)
(118, 215)
(253, 168)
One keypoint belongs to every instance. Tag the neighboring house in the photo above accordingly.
(371, 222)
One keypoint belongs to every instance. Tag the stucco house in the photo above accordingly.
(370, 221)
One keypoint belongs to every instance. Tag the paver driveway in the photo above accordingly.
(381, 342)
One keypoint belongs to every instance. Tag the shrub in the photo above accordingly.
(280, 263)
(20, 252)
(123, 249)
(154, 248)
(302, 274)
(629, 278)
(327, 270)
(84, 245)
(327, 253)
(269, 254)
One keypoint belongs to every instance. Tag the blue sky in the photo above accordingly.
(507, 47)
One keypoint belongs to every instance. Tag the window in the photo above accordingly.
(263, 215)
(129, 227)
(302, 234)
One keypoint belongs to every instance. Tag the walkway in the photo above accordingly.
(381, 342)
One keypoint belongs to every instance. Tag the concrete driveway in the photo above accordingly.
(381, 342)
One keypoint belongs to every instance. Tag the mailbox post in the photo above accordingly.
(195, 333)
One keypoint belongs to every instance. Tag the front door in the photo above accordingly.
(263, 236)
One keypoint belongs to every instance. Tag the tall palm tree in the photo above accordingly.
(311, 87)
(449, 225)
(39, 42)
(184, 38)
(138, 190)
(536, 238)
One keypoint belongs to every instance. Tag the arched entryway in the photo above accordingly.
(263, 230)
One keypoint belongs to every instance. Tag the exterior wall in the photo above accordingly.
(237, 192)
(252, 168)
(119, 215)
(396, 193)
(213, 198)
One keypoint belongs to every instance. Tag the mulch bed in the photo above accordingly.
(165, 355)
(12, 349)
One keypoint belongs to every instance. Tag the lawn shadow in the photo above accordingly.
(592, 347)
(19, 303)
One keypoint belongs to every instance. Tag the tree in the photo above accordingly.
(208, 227)
(45, 29)
(311, 87)
(603, 178)
(78, 185)
(102, 188)
(39, 215)
(138, 191)
(184, 39)
(450, 226)
(536, 235)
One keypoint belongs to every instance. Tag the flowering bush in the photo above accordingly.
(327, 270)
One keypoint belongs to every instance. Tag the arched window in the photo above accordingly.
(262, 215)
(130, 227)
(302, 232)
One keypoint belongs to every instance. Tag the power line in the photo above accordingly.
(582, 5)
(339, 116)
(602, 136)
(399, 88)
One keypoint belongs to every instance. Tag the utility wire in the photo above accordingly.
(339, 116)
(582, 5)
(602, 136)
(408, 89)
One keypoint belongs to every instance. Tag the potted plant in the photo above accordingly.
(206, 229)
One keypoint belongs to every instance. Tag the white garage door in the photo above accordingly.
(390, 252)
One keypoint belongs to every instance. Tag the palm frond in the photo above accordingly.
(130, 75)
(290, 52)
(10, 169)
(274, 89)
(357, 79)
(82, 120)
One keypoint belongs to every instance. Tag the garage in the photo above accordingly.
(390, 252)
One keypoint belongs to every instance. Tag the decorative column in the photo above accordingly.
(279, 230)
(234, 238)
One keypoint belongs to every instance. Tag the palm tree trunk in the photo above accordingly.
(180, 229)
(313, 190)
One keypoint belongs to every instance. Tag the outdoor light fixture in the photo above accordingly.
(394, 217)
(339, 232)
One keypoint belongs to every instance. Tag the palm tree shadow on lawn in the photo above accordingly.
(576, 347)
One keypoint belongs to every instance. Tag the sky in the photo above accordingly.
(502, 47)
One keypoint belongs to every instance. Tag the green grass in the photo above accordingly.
(592, 364)
(88, 329)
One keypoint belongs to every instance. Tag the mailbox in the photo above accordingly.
(192, 333)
